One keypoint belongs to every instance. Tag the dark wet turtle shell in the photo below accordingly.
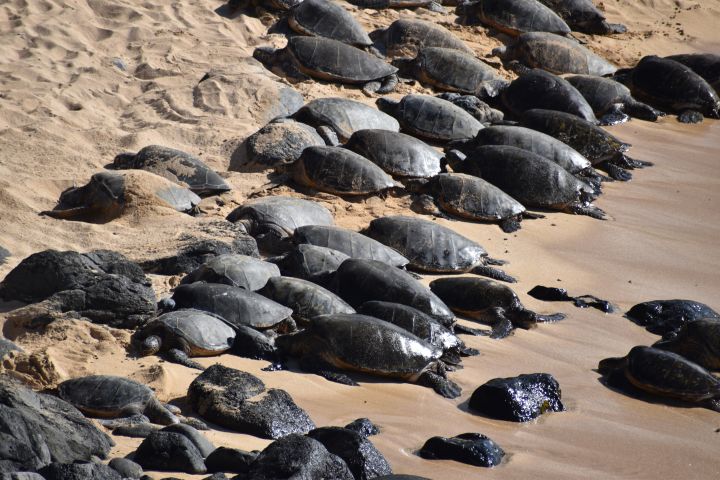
(707, 65)
(396, 153)
(404, 37)
(664, 317)
(345, 116)
(358, 281)
(306, 299)
(455, 71)
(431, 117)
(472, 296)
(531, 179)
(583, 16)
(105, 396)
(328, 59)
(382, 4)
(310, 262)
(515, 17)
(340, 171)
(236, 270)
(555, 54)
(353, 244)
(327, 19)
(175, 165)
(278, 143)
(205, 334)
(471, 197)
(364, 344)
(604, 95)
(430, 247)
(236, 306)
(698, 341)
(531, 140)
(671, 85)
(540, 89)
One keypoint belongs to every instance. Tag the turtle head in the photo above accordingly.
(387, 105)
(123, 161)
(150, 345)
(500, 52)
(405, 66)
(454, 158)
(610, 365)
(265, 55)
(101, 200)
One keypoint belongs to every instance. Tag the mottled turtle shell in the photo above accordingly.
(365, 344)
(471, 197)
(236, 306)
(405, 36)
(306, 299)
(707, 65)
(205, 334)
(104, 396)
(327, 19)
(434, 118)
(429, 246)
(353, 244)
(236, 270)
(396, 153)
(281, 215)
(329, 59)
(515, 17)
(281, 142)
(340, 171)
(473, 295)
(601, 93)
(345, 116)
(175, 165)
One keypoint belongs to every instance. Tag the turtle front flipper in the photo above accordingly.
(328, 135)
(642, 111)
(158, 413)
(690, 116)
(462, 329)
(318, 366)
(502, 326)
(614, 116)
(588, 210)
(713, 404)
(180, 357)
(125, 421)
(494, 273)
(442, 386)
(615, 172)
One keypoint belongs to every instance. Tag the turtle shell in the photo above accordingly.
(515, 17)
(236, 270)
(474, 198)
(311, 262)
(236, 306)
(280, 214)
(429, 246)
(306, 299)
(327, 19)
(104, 396)
(580, 15)
(436, 119)
(353, 244)
(707, 65)
(472, 296)
(328, 59)
(396, 153)
(345, 116)
(340, 171)
(204, 333)
(404, 37)
(600, 93)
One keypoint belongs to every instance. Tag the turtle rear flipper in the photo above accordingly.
(642, 111)
(441, 386)
(629, 162)
(494, 273)
(318, 366)
(589, 210)
(180, 357)
(158, 413)
(615, 172)
(610, 28)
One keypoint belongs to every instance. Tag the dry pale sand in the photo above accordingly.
(66, 109)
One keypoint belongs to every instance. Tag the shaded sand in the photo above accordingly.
(83, 80)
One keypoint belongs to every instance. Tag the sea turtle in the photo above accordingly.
(336, 119)
(175, 165)
(236, 270)
(186, 333)
(530, 179)
(328, 59)
(370, 345)
(610, 100)
(555, 54)
(339, 171)
(324, 18)
(310, 262)
(111, 397)
(431, 5)
(237, 306)
(601, 148)
(698, 341)
(666, 317)
(540, 89)
(431, 117)
(398, 154)
(358, 281)
(472, 198)
(452, 70)
(431, 247)
(279, 142)
(707, 65)
(583, 16)
(489, 302)
(513, 17)
(404, 37)
(664, 374)
(279, 5)
(306, 299)
(479, 110)
(671, 85)
(272, 220)
(353, 244)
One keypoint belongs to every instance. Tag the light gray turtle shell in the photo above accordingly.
(324, 18)
(104, 395)
(471, 197)
(280, 214)
(205, 334)
(515, 17)
(236, 270)
(436, 119)
(306, 299)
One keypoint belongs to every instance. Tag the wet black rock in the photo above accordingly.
(363, 426)
(238, 401)
(249, 343)
(225, 459)
(196, 254)
(360, 455)
(126, 468)
(170, 451)
(555, 294)
(37, 429)
(666, 317)
(518, 399)
(471, 448)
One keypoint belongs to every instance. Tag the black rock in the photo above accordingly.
(299, 458)
(137, 430)
(666, 317)
(363, 426)
(237, 400)
(20, 475)
(229, 460)
(170, 451)
(78, 471)
(194, 255)
(250, 343)
(203, 444)
(470, 448)
(360, 455)
(518, 399)
(126, 468)
(36, 429)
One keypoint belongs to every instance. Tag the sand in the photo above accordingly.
(81, 81)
